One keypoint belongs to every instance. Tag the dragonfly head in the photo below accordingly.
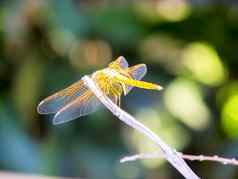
(114, 65)
(118, 68)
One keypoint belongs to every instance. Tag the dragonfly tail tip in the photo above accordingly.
(159, 88)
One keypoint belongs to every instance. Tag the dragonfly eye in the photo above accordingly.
(110, 65)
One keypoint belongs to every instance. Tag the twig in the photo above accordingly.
(170, 154)
(214, 158)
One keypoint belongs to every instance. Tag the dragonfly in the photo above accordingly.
(77, 100)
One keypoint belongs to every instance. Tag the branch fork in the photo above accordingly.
(170, 154)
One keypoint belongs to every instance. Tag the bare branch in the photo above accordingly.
(201, 158)
(170, 154)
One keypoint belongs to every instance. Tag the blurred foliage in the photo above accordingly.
(190, 48)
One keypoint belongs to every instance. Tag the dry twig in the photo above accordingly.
(170, 154)
(214, 158)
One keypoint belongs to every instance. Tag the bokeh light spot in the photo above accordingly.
(163, 10)
(173, 10)
(203, 62)
(224, 93)
(230, 117)
(184, 100)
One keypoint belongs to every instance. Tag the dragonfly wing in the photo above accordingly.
(58, 100)
(137, 72)
(122, 62)
(81, 106)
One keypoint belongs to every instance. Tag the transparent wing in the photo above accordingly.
(55, 102)
(81, 106)
(137, 72)
(122, 62)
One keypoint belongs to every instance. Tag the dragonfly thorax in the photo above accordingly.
(107, 81)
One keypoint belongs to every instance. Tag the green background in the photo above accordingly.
(190, 48)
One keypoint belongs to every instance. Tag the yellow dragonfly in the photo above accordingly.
(77, 100)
